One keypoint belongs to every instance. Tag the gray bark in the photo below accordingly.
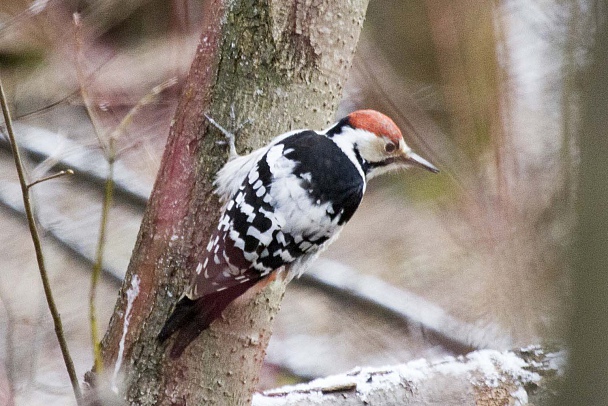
(282, 65)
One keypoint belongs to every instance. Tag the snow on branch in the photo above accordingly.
(486, 377)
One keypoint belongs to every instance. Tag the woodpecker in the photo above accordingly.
(282, 205)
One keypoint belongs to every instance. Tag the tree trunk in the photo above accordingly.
(281, 64)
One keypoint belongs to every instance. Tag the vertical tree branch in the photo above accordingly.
(109, 148)
(38, 248)
(281, 64)
(98, 265)
(588, 358)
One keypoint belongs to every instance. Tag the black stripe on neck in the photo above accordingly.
(337, 129)
(362, 162)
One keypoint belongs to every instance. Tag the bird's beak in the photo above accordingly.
(411, 158)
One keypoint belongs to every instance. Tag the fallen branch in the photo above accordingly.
(485, 377)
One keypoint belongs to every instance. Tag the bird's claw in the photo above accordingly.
(230, 137)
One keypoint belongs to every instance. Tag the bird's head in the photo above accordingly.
(377, 143)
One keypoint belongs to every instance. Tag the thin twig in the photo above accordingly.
(38, 248)
(83, 90)
(110, 155)
(54, 176)
(98, 265)
(147, 99)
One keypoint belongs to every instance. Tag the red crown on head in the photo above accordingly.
(377, 123)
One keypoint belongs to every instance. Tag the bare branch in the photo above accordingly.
(481, 377)
(91, 112)
(38, 248)
(54, 176)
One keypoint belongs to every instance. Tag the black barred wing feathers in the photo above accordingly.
(290, 204)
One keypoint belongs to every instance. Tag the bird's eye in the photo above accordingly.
(390, 147)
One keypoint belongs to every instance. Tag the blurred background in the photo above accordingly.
(431, 265)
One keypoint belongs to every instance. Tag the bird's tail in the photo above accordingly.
(184, 312)
(191, 317)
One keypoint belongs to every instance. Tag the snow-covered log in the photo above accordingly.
(485, 377)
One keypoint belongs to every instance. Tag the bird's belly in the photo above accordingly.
(300, 215)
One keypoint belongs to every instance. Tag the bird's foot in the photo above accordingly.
(230, 136)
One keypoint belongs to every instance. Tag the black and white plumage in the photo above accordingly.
(283, 204)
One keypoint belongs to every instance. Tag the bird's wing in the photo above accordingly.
(278, 214)
(271, 220)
